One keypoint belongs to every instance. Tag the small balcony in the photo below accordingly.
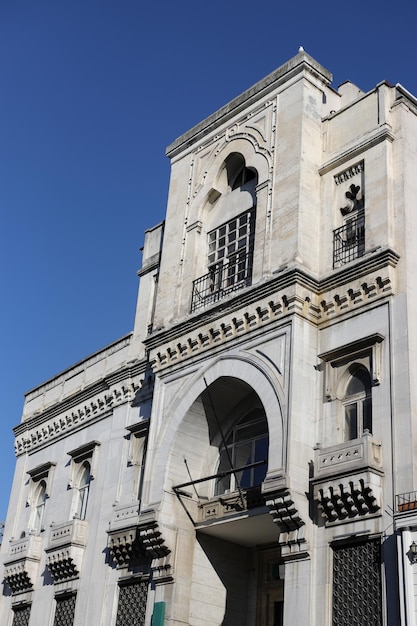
(406, 502)
(65, 550)
(21, 566)
(222, 279)
(349, 240)
(347, 481)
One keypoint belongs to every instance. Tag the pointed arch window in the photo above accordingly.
(246, 445)
(39, 512)
(357, 403)
(83, 490)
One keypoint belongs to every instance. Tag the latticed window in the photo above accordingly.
(64, 611)
(131, 610)
(230, 258)
(357, 584)
(21, 616)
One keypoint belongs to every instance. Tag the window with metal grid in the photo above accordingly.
(21, 616)
(230, 257)
(357, 584)
(131, 609)
(65, 610)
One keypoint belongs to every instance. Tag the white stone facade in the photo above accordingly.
(246, 455)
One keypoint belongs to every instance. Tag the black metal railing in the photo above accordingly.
(349, 240)
(222, 279)
(406, 501)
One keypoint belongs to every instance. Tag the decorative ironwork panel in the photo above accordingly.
(64, 612)
(131, 610)
(357, 584)
(21, 616)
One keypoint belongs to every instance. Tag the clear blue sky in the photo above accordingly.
(91, 93)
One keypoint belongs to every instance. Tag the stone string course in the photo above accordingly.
(318, 308)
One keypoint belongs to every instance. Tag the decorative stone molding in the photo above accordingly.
(370, 346)
(282, 507)
(134, 536)
(53, 428)
(65, 550)
(349, 173)
(340, 501)
(21, 567)
(347, 482)
(229, 504)
(291, 293)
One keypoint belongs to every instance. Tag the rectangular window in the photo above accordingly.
(357, 584)
(65, 610)
(230, 258)
(131, 609)
(21, 615)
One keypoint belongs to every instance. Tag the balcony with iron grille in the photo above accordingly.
(406, 502)
(349, 240)
(222, 280)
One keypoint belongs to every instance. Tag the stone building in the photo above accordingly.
(246, 455)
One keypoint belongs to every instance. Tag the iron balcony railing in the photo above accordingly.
(222, 279)
(349, 240)
(407, 501)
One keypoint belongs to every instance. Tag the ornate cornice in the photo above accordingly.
(293, 291)
(45, 427)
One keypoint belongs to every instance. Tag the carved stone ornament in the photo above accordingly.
(65, 551)
(21, 567)
(141, 541)
(355, 202)
(282, 507)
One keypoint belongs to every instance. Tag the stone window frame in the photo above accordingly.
(138, 443)
(61, 597)
(41, 474)
(20, 608)
(339, 365)
(80, 457)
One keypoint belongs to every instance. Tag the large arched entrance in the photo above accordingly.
(224, 439)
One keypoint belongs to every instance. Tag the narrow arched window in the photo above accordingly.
(358, 404)
(40, 507)
(83, 490)
(237, 172)
(246, 452)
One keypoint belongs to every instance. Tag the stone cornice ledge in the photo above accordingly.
(292, 291)
(85, 395)
(374, 138)
(262, 88)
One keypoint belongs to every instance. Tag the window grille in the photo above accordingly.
(64, 611)
(131, 609)
(349, 240)
(230, 259)
(357, 584)
(21, 616)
